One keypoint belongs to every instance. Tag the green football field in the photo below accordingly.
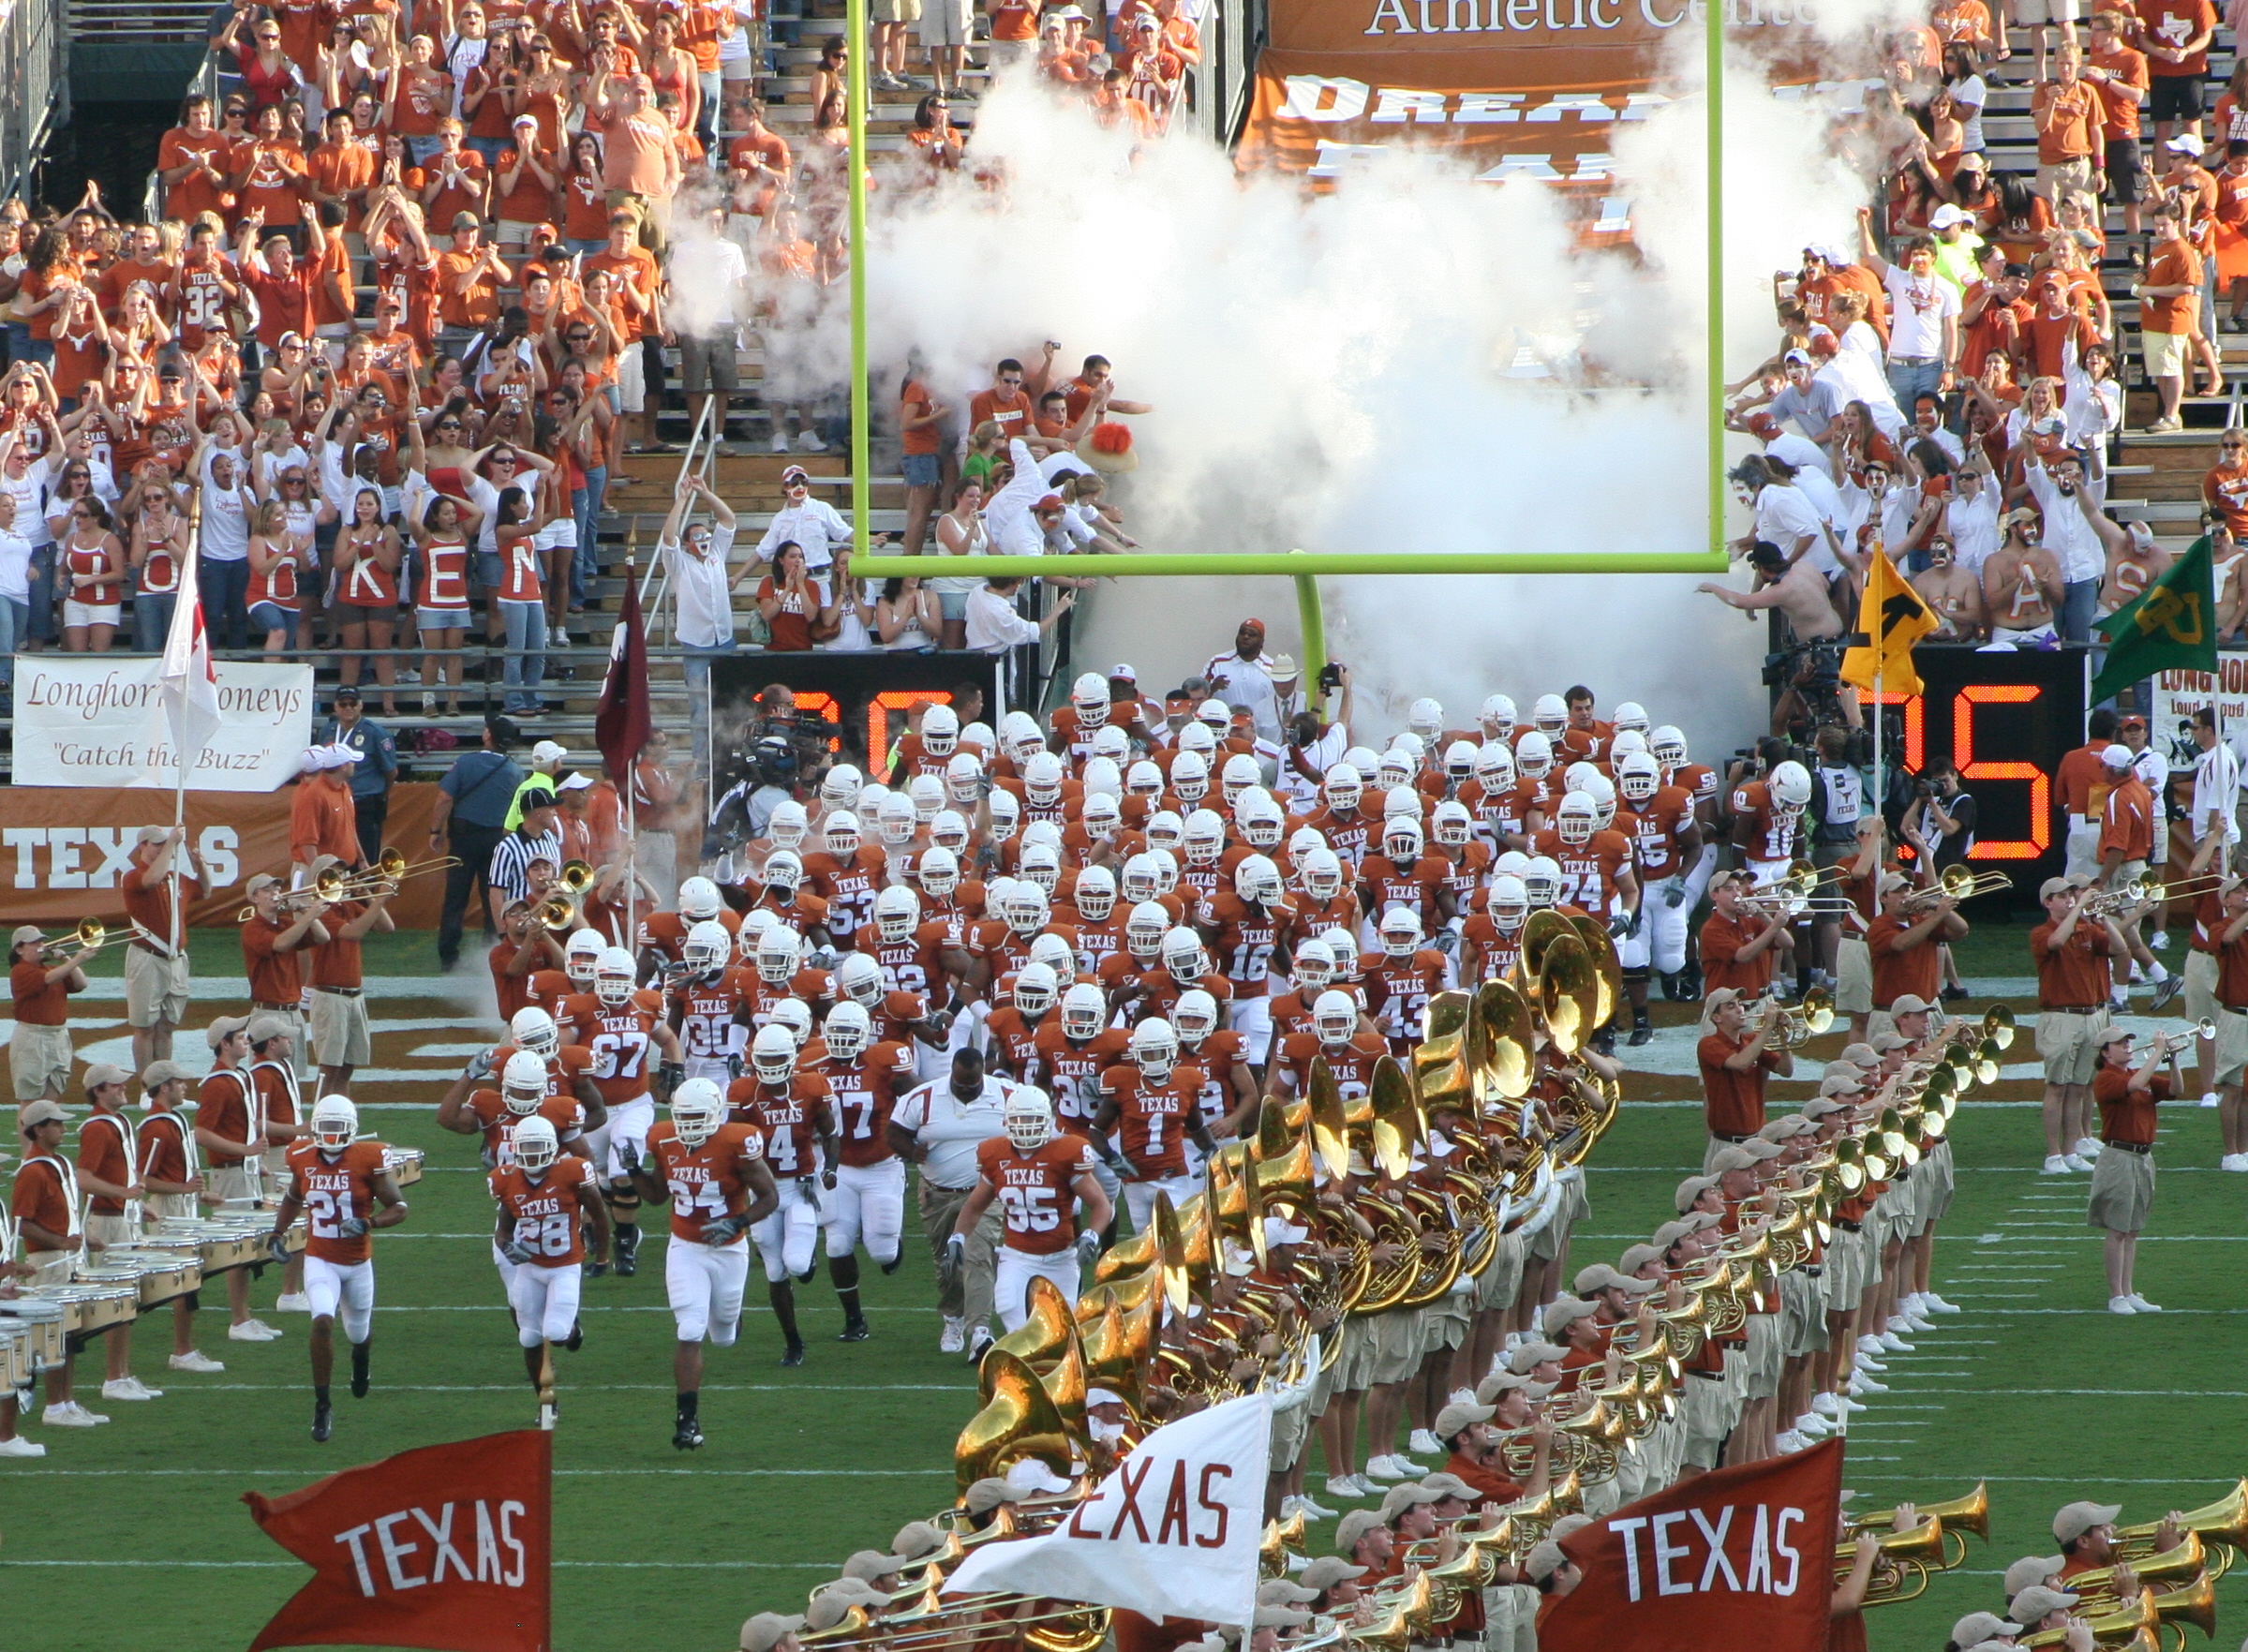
(135, 1531)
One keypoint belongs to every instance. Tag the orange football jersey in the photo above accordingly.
(789, 1125)
(1152, 1119)
(864, 1093)
(333, 1191)
(624, 1058)
(1035, 1190)
(545, 1216)
(705, 1181)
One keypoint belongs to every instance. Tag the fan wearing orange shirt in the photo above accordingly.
(546, 1201)
(344, 1189)
(1150, 1108)
(714, 1176)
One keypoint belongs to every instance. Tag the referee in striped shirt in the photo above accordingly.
(535, 838)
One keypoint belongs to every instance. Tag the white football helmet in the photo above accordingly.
(1190, 777)
(1102, 819)
(1237, 776)
(1626, 741)
(848, 1030)
(1425, 718)
(699, 899)
(1041, 864)
(1154, 1048)
(1401, 800)
(1323, 874)
(938, 870)
(754, 923)
(1459, 763)
(1638, 777)
(788, 825)
(858, 977)
(1509, 904)
(1362, 758)
(838, 786)
(1578, 776)
(1183, 954)
(1512, 864)
(1214, 714)
(1164, 829)
(1551, 713)
(1141, 882)
(1205, 837)
(839, 829)
(1401, 931)
(1102, 778)
(1495, 767)
(776, 951)
(1314, 964)
(1395, 770)
(1261, 820)
(1084, 1012)
(1541, 881)
(1497, 715)
(926, 793)
(1167, 869)
(1669, 747)
(940, 730)
(1195, 1018)
(871, 796)
(1630, 715)
(706, 949)
(336, 1121)
(1334, 1018)
(978, 737)
(1019, 735)
(1401, 839)
(1042, 780)
(1577, 819)
(616, 977)
(578, 954)
(698, 1110)
(783, 870)
(1088, 699)
(1095, 893)
(773, 1053)
(1451, 825)
(1144, 929)
(1006, 814)
(1143, 779)
(1791, 785)
(793, 1016)
(964, 779)
(1029, 1119)
(1256, 880)
(1303, 841)
(1022, 906)
(896, 913)
(1601, 790)
(1196, 737)
(533, 1029)
(1112, 743)
(1341, 788)
(1534, 756)
(535, 1145)
(1057, 955)
(949, 830)
(1035, 988)
(523, 1083)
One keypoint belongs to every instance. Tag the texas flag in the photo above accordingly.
(190, 682)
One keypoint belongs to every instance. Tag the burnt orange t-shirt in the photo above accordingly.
(39, 1002)
(2074, 976)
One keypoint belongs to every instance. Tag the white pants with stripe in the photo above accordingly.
(1660, 941)
(629, 1123)
(342, 1291)
(545, 1303)
(867, 1204)
(704, 1283)
(786, 1238)
(1139, 1197)
(1252, 1018)
(1011, 1284)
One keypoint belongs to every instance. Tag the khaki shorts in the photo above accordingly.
(1397, 1345)
(2070, 1044)
(2201, 987)
(108, 1230)
(2165, 353)
(1444, 1324)
(1764, 1356)
(155, 989)
(1853, 977)
(1707, 1420)
(2123, 1190)
(2057, 178)
(1290, 1429)
(340, 1037)
(178, 1207)
(39, 1057)
(1502, 1280)
(1354, 1366)
(897, 10)
(52, 1267)
(228, 1181)
(947, 22)
(2232, 1046)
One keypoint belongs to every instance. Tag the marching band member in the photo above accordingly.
(283, 924)
(231, 1136)
(1735, 1057)
(45, 1204)
(39, 1049)
(159, 978)
(108, 1178)
(2122, 1181)
(343, 1188)
(341, 1038)
(273, 1079)
(712, 1173)
(2073, 950)
(1039, 1179)
(1744, 943)
(171, 1180)
(546, 1200)
(1903, 944)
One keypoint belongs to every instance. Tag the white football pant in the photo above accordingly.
(545, 1303)
(347, 1289)
(704, 1283)
(786, 1238)
(867, 1204)
(1011, 1284)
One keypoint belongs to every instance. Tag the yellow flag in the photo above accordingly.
(1891, 618)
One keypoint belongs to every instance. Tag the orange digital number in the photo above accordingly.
(878, 719)
(2041, 785)
(824, 706)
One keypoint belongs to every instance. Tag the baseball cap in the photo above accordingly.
(42, 1112)
(1279, 1591)
(1693, 1189)
(102, 1072)
(26, 932)
(223, 1028)
(1822, 1107)
(1531, 1352)
(1458, 1415)
(577, 783)
(1450, 1485)
(1886, 1042)
(987, 1494)
(917, 1539)
(466, 220)
(2032, 1568)
(767, 1630)
(1905, 1003)
(154, 834)
(1542, 1561)
(265, 1025)
(1786, 1128)
(1796, 356)
(1328, 1570)
(1411, 1494)
(1944, 217)
(1638, 1257)
(163, 1072)
(2183, 145)
(548, 752)
(1978, 1627)
(795, 473)
(2115, 1035)
(1564, 1311)
(2115, 756)
(1600, 1276)
(1670, 1233)
(1499, 1382)
(264, 880)
(2036, 1600)
(2077, 1519)
(2052, 886)
(1356, 1525)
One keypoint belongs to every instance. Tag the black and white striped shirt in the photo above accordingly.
(510, 869)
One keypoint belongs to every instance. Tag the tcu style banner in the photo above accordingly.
(445, 1547)
(98, 720)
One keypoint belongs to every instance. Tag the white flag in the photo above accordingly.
(190, 683)
(1171, 1533)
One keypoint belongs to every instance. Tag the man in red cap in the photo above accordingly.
(1243, 679)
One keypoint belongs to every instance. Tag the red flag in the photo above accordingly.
(621, 724)
(446, 1547)
(1737, 1558)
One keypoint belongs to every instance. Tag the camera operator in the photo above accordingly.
(1940, 826)
(764, 775)
(1315, 739)
(776, 719)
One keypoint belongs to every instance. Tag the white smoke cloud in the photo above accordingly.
(1328, 373)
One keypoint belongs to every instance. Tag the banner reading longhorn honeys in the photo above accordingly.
(446, 1547)
(1738, 1557)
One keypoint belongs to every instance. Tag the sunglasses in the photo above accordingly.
(447, 424)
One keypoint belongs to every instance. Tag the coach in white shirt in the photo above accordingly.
(939, 1125)
(2214, 821)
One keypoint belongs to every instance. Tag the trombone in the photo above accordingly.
(1959, 884)
(391, 867)
(90, 936)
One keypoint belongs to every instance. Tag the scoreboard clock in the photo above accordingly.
(2004, 718)
(868, 692)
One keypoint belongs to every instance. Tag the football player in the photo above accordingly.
(867, 1202)
(713, 1175)
(702, 995)
(1040, 1179)
(343, 1188)
(1249, 926)
(1401, 979)
(546, 1200)
(1336, 1036)
(663, 937)
(1150, 1108)
(791, 1112)
(1667, 850)
(629, 1039)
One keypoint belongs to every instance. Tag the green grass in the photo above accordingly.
(2034, 1387)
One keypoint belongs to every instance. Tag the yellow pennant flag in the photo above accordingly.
(1891, 618)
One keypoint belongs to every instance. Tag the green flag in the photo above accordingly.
(2173, 627)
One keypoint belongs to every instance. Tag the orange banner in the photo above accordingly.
(56, 869)
(1527, 88)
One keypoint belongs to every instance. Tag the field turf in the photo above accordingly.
(135, 1532)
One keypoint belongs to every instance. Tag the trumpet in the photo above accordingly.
(2167, 1045)
(90, 936)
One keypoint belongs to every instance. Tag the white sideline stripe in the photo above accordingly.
(2033, 1479)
